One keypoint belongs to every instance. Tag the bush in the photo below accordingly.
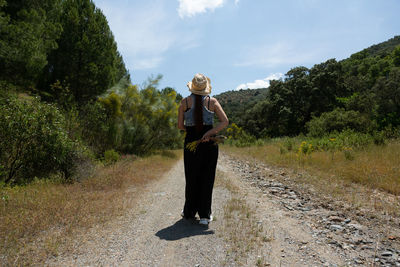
(95, 125)
(238, 137)
(33, 141)
(111, 156)
(141, 121)
(339, 120)
(346, 139)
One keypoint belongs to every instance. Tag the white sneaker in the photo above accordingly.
(205, 221)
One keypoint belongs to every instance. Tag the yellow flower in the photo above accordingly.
(192, 146)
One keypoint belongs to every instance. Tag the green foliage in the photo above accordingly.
(141, 121)
(292, 102)
(46, 41)
(95, 125)
(28, 30)
(33, 141)
(339, 120)
(305, 148)
(235, 103)
(364, 87)
(111, 156)
(347, 142)
(64, 51)
(396, 56)
(287, 145)
(348, 154)
(238, 137)
(86, 58)
(342, 140)
(387, 92)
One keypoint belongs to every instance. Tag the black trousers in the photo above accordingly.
(200, 169)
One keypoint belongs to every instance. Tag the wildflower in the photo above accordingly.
(192, 146)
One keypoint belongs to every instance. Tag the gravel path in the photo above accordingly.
(153, 233)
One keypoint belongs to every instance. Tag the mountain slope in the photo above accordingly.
(235, 103)
(360, 74)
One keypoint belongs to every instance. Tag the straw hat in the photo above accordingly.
(200, 85)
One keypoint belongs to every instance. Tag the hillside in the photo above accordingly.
(236, 102)
(349, 87)
(382, 49)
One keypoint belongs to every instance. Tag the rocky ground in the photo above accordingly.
(358, 237)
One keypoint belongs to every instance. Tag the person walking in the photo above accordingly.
(195, 116)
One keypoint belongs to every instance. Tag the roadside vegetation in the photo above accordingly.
(346, 156)
(75, 132)
(39, 219)
(360, 169)
(66, 97)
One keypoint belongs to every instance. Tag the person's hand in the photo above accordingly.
(206, 136)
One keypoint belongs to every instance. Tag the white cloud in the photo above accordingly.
(277, 54)
(264, 83)
(147, 63)
(143, 32)
(189, 8)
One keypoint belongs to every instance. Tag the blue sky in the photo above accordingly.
(242, 43)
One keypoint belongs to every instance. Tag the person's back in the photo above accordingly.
(196, 114)
(208, 115)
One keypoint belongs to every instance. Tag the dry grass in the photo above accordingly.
(363, 180)
(376, 166)
(240, 228)
(36, 220)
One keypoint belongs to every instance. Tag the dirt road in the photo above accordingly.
(153, 234)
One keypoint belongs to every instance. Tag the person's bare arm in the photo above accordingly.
(223, 121)
(181, 125)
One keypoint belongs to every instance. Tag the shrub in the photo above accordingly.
(141, 121)
(339, 120)
(238, 137)
(305, 148)
(33, 141)
(391, 132)
(347, 139)
(288, 144)
(111, 156)
(379, 138)
(95, 125)
(348, 153)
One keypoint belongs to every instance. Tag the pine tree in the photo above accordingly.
(87, 59)
(28, 32)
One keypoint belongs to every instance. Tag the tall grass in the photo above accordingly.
(361, 171)
(375, 166)
(39, 218)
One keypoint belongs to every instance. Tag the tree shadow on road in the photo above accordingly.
(182, 229)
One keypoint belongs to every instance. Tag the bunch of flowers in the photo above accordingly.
(192, 146)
